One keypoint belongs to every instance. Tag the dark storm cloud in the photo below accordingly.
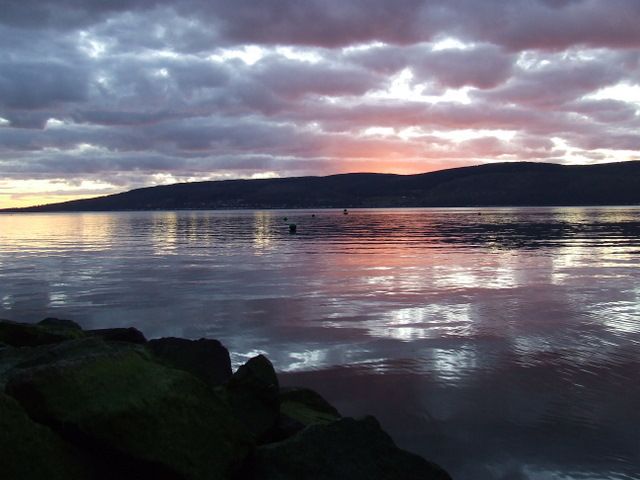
(124, 90)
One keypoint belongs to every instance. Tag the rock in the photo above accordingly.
(129, 335)
(253, 394)
(306, 406)
(344, 449)
(59, 323)
(285, 427)
(14, 360)
(72, 352)
(30, 335)
(10, 357)
(205, 358)
(259, 375)
(299, 408)
(33, 452)
(135, 413)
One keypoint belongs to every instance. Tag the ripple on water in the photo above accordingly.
(514, 335)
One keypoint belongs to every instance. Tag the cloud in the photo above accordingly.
(517, 25)
(32, 85)
(570, 78)
(483, 67)
(145, 90)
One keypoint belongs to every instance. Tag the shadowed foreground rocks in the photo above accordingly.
(345, 448)
(107, 404)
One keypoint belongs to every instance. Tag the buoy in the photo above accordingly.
(345, 212)
(292, 228)
(285, 219)
(313, 215)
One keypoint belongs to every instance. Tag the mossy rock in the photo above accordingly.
(14, 359)
(74, 351)
(31, 451)
(53, 323)
(253, 393)
(306, 406)
(345, 448)
(138, 412)
(10, 358)
(206, 358)
(31, 335)
(127, 335)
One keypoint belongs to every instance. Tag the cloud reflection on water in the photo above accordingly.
(503, 345)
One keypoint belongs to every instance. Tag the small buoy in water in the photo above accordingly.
(479, 213)
(285, 219)
(292, 228)
(313, 215)
(345, 212)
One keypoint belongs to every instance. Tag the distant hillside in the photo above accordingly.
(501, 184)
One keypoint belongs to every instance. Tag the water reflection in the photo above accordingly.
(262, 232)
(503, 345)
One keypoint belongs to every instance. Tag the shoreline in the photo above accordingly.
(32, 210)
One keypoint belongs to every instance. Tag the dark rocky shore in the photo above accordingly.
(108, 404)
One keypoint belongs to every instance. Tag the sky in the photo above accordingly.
(100, 97)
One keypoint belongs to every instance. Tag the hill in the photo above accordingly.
(499, 184)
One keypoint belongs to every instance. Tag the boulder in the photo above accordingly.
(30, 335)
(299, 408)
(253, 394)
(71, 351)
(129, 335)
(306, 406)
(285, 427)
(59, 323)
(345, 448)
(31, 451)
(149, 420)
(257, 374)
(10, 357)
(207, 359)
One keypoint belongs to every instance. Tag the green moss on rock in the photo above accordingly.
(127, 335)
(30, 335)
(306, 406)
(31, 451)
(346, 448)
(123, 403)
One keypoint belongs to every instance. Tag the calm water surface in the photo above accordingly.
(502, 345)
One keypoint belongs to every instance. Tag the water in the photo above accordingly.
(502, 345)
